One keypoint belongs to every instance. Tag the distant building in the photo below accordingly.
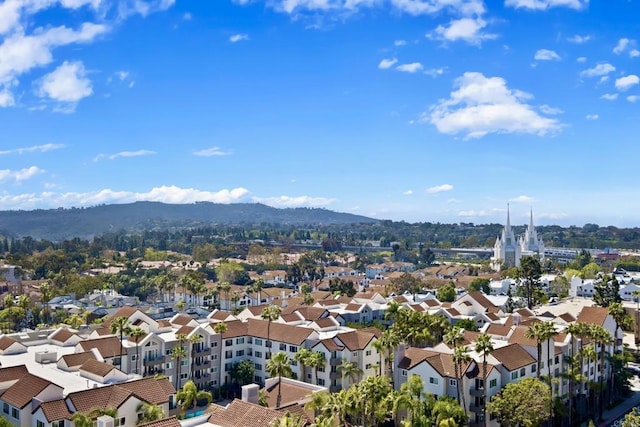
(508, 250)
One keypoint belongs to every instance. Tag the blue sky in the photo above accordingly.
(415, 110)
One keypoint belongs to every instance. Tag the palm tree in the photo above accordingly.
(225, 287)
(194, 340)
(601, 337)
(220, 328)
(178, 353)
(280, 366)
(484, 347)
(460, 358)
(121, 326)
(137, 333)
(149, 412)
(46, 292)
(316, 361)
(258, 286)
(75, 321)
(349, 370)
(535, 332)
(590, 354)
(548, 332)
(82, 420)
(623, 320)
(287, 420)
(189, 396)
(303, 358)
(270, 314)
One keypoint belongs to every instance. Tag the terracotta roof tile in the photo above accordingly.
(77, 359)
(498, 330)
(290, 394)
(355, 340)
(483, 301)
(242, 414)
(186, 330)
(89, 400)
(25, 389)
(518, 336)
(6, 342)
(181, 319)
(55, 410)
(513, 356)
(152, 390)
(13, 373)
(278, 331)
(166, 422)
(62, 335)
(593, 315)
(106, 346)
(330, 344)
(96, 367)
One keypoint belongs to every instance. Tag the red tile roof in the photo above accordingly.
(25, 389)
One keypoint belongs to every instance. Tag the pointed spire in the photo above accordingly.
(531, 221)
(508, 226)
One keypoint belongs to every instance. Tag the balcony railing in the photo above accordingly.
(473, 391)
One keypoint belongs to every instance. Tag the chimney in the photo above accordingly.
(105, 421)
(249, 393)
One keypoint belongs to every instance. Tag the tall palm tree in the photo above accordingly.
(258, 286)
(121, 326)
(270, 314)
(189, 395)
(601, 337)
(225, 287)
(137, 333)
(484, 346)
(46, 293)
(316, 361)
(535, 332)
(548, 332)
(303, 359)
(349, 370)
(194, 340)
(590, 355)
(178, 353)
(280, 366)
(623, 321)
(460, 358)
(149, 412)
(75, 321)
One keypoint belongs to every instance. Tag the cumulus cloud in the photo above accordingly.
(610, 96)
(66, 84)
(627, 82)
(19, 175)
(137, 153)
(599, 70)
(621, 46)
(480, 105)
(547, 4)
(634, 53)
(473, 213)
(468, 29)
(581, 59)
(546, 109)
(633, 98)
(385, 64)
(408, 192)
(522, 199)
(592, 117)
(33, 149)
(578, 39)
(413, 67)
(294, 202)
(238, 37)
(434, 72)
(210, 152)
(439, 188)
(546, 55)
(400, 43)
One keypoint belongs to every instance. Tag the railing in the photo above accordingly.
(473, 391)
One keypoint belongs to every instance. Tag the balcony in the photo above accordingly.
(473, 391)
(203, 351)
(476, 409)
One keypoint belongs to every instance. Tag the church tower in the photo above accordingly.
(507, 250)
(530, 243)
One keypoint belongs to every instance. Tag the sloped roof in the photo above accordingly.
(355, 340)
(518, 336)
(242, 414)
(330, 344)
(593, 315)
(106, 346)
(77, 359)
(165, 422)
(6, 342)
(25, 389)
(483, 301)
(88, 400)
(62, 335)
(513, 356)
(13, 373)
(96, 367)
(278, 331)
(55, 410)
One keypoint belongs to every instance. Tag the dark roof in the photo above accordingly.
(55, 410)
(25, 389)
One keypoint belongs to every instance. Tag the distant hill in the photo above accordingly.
(60, 224)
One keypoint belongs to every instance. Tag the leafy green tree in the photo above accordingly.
(178, 353)
(349, 370)
(606, 291)
(279, 366)
(446, 293)
(189, 396)
(529, 274)
(243, 372)
(480, 284)
(288, 420)
(149, 412)
(342, 287)
(467, 325)
(446, 411)
(523, 403)
(632, 419)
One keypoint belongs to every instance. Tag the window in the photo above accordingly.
(268, 344)
(367, 366)
(293, 349)
(453, 383)
(167, 366)
(214, 369)
(5, 408)
(250, 340)
(557, 360)
(257, 379)
(283, 347)
(184, 362)
(15, 413)
(214, 357)
(183, 376)
(355, 354)
(514, 375)
(228, 354)
(320, 381)
(133, 357)
(533, 368)
(258, 341)
(57, 423)
(120, 421)
(493, 383)
(368, 353)
(39, 424)
(257, 366)
(320, 369)
(403, 372)
(215, 344)
(240, 340)
(433, 380)
(258, 354)
(168, 352)
(240, 353)
(523, 372)
(294, 363)
(228, 343)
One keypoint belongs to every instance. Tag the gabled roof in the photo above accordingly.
(441, 362)
(513, 356)
(593, 315)
(242, 414)
(519, 336)
(330, 344)
(6, 342)
(278, 331)
(77, 359)
(96, 367)
(483, 301)
(13, 373)
(62, 335)
(106, 346)
(165, 422)
(25, 389)
(181, 319)
(55, 410)
(355, 340)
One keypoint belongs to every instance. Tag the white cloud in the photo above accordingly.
(546, 109)
(610, 96)
(434, 72)
(473, 213)
(633, 98)
(410, 68)
(122, 75)
(400, 43)
(19, 175)
(634, 53)
(33, 149)
(578, 39)
(522, 199)
(408, 192)
(621, 46)
(187, 16)
(165, 194)
(603, 79)
(294, 202)
(627, 82)
(439, 188)
(546, 55)
(581, 59)
(547, 4)
(127, 8)
(592, 117)
(213, 151)
(238, 37)
(599, 70)
(137, 153)
(385, 64)
(429, 7)
(465, 29)
(13, 11)
(67, 83)
(482, 105)
(453, 201)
